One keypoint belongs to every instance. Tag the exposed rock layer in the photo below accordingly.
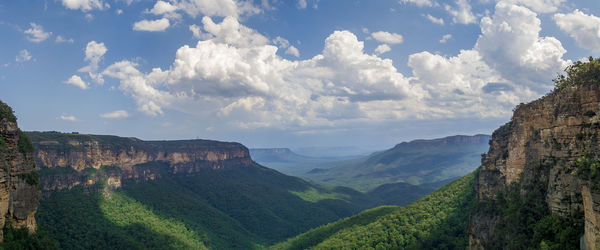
(69, 160)
(543, 141)
(19, 185)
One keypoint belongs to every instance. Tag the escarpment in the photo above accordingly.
(546, 159)
(19, 183)
(73, 159)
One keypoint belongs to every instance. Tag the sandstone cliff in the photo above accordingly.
(69, 160)
(549, 153)
(19, 183)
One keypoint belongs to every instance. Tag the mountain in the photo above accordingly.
(539, 183)
(416, 162)
(115, 192)
(436, 221)
(288, 162)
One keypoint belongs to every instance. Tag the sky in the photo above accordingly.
(295, 73)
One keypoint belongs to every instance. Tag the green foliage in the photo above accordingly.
(580, 74)
(437, 221)
(21, 239)
(24, 144)
(7, 112)
(526, 222)
(32, 178)
(231, 209)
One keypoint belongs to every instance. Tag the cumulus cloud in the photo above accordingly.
(585, 29)
(69, 118)
(387, 37)
(435, 20)
(117, 114)
(541, 6)
(292, 51)
(94, 52)
(75, 80)
(239, 73)
(36, 33)
(61, 39)
(511, 44)
(236, 76)
(445, 38)
(461, 13)
(217, 7)
(162, 7)
(152, 25)
(302, 4)
(23, 56)
(420, 3)
(85, 5)
(382, 49)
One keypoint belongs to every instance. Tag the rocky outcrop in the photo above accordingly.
(549, 147)
(19, 183)
(69, 160)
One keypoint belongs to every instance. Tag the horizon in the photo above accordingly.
(270, 74)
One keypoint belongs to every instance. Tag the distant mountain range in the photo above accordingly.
(433, 162)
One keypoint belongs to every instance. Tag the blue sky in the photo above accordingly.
(285, 73)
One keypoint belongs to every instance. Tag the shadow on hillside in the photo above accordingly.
(76, 221)
(241, 206)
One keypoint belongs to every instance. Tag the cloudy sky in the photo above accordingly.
(271, 73)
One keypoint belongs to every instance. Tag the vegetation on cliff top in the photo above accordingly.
(7, 112)
(437, 221)
(580, 74)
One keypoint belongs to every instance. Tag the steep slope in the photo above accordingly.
(19, 193)
(538, 184)
(114, 192)
(415, 162)
(437, 221)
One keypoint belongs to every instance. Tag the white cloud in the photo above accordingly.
(301, 4)
(69, 118)
(383, 48)
(94, 52)
(292, 51)
(281, 42)
(152, 25)
(117, 114)
(237, 78)
(511, 44)
(61, 39)
(541, 6)
(162, 7)
(36, 33)
(119, 11)
(217, 7)
(461, 13)
(585, 29)
(246, 79)
(386, 37)
(420, 3)
(445, 38)
(75, 80)
(435, 20)
(85, 5)
(23, 56)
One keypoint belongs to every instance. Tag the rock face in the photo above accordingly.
(19, 183)
(547, 141)
(69, 160)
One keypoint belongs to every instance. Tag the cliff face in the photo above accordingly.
(548, 151)
(19, 192)
(76, 157)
